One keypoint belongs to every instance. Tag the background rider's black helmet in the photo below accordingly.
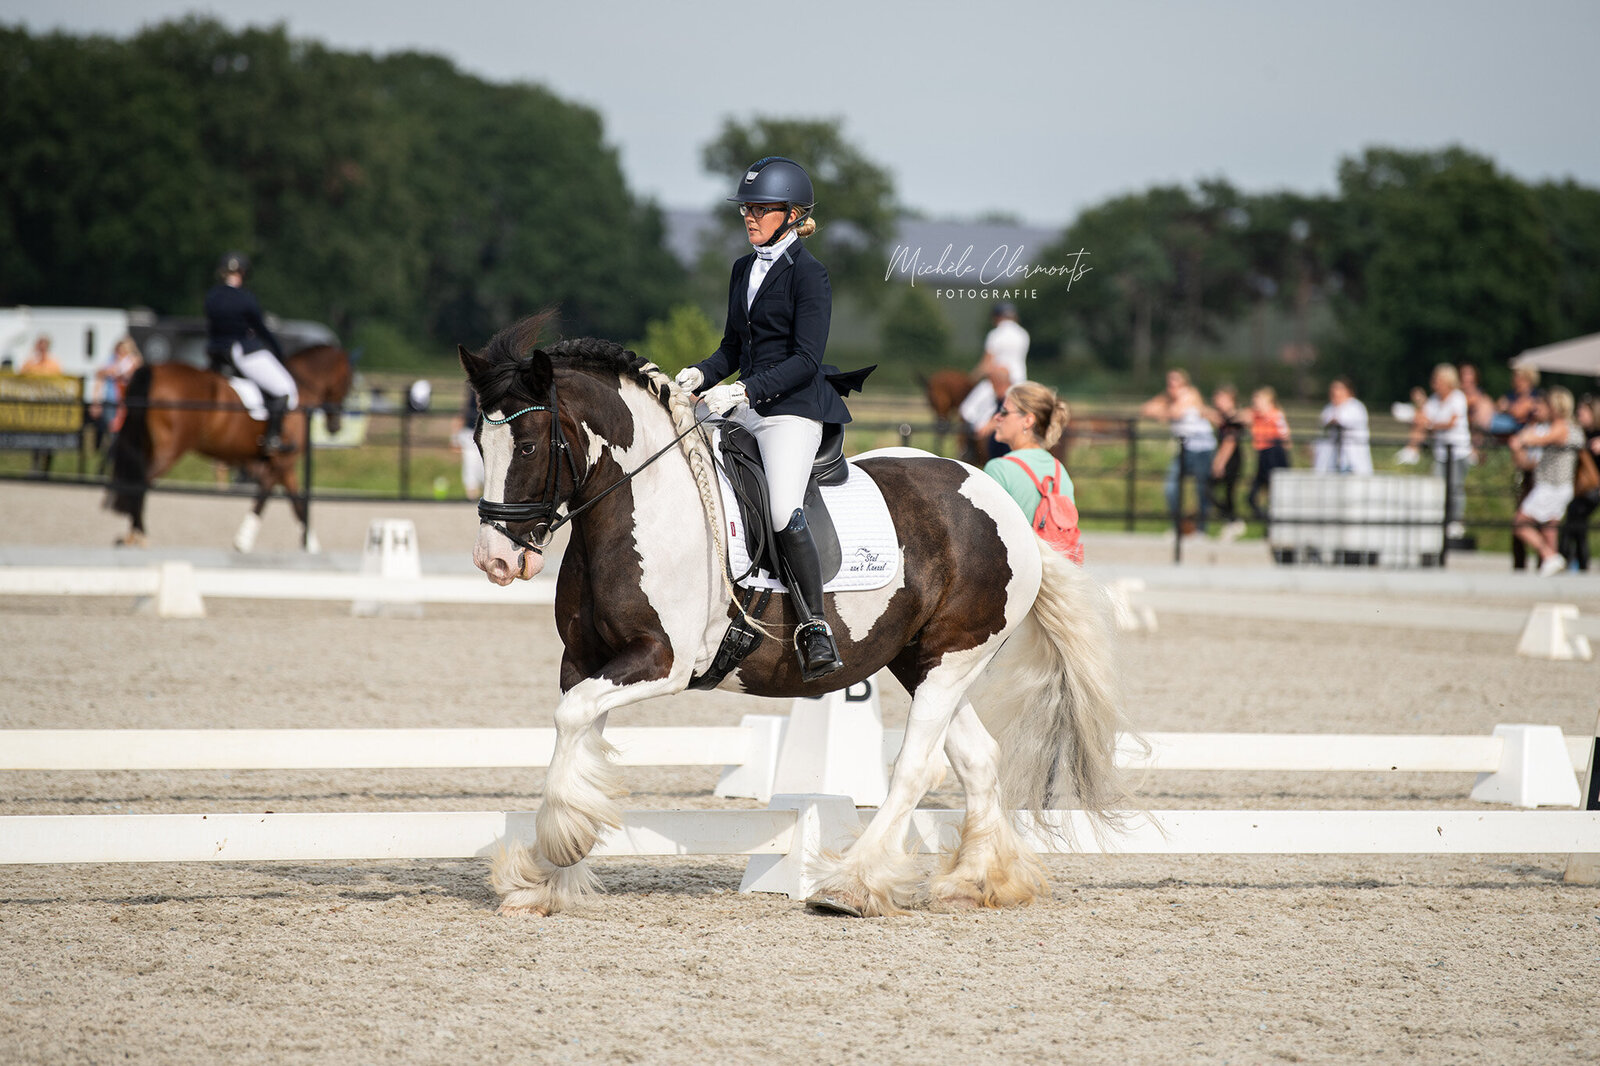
(775, 180)
(233, 263)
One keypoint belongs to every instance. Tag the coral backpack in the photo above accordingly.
(1056, 517)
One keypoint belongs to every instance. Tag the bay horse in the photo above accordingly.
(174, 408)
(588, 433)
(944, 391)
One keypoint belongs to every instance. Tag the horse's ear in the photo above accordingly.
(538, 374)
(475, 365)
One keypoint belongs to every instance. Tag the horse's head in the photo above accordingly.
(529, 467)
(323, 375)
(551, 421)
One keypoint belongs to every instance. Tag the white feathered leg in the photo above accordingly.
(578, 806)
(579, 803)
(991, 867)
(875, 876)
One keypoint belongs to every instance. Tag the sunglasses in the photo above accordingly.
(1006, 412)
(760, 211)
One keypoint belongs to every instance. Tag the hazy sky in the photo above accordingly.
(1034, 108)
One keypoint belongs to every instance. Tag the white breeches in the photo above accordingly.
(263, 368)
(788, 448)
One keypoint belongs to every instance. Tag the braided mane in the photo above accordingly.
(509, 355)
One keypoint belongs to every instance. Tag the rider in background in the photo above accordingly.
(1004, 364)
(780, 306)
(238, 339)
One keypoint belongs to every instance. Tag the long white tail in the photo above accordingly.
(1055, 702)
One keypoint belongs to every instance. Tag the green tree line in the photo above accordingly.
(1420, 257)
(391, 196)
(409, 204)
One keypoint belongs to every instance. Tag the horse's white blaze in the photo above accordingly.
(495, 442)
(493, 547)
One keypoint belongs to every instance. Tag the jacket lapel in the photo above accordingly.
(784, 261)
(742, 286)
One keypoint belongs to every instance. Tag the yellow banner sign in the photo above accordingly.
(30, 404)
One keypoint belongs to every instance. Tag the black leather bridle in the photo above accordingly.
(543, 510)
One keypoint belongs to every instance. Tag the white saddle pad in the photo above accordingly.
(249, 394)
(867, 539)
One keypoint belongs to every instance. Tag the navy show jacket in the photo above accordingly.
(777, 344)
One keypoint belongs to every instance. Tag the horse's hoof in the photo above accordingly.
(834, 903)
(518, 912)
(953, 903)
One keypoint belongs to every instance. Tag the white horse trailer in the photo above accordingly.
(81, 338)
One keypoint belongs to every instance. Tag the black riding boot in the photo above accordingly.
(272, 441)
(813, 640)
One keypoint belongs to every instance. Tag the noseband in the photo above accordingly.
(543, 510)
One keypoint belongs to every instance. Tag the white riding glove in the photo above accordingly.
(690, 377)
(724, 398)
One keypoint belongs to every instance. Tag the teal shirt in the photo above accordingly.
(1015, 482)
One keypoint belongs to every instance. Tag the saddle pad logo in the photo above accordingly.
(866, 561)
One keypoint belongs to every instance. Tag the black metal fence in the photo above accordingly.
(1121, 471)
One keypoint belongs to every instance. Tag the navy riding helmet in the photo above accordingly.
(776, 180)
(233, 263)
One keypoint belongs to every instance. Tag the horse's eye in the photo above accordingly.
(528, 448)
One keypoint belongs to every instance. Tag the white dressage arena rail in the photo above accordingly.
(177, 580)
(1529, 765)
(782, 842)
(352, 749)
(1525, 766)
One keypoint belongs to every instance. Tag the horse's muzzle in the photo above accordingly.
(503, 561)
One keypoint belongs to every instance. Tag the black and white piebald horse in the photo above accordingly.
(588, 432)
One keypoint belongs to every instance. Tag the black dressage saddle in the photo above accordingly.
(741, 458)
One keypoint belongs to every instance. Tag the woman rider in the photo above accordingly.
(238, 335)
(779, 307)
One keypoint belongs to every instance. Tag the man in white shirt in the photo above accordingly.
(1345, 450)
(1004, 364)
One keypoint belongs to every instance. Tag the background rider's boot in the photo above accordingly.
(272, 442)
(813, 640)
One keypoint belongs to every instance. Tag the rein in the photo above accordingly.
(543, 510)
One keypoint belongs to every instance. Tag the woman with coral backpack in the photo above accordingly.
(1030, 421)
